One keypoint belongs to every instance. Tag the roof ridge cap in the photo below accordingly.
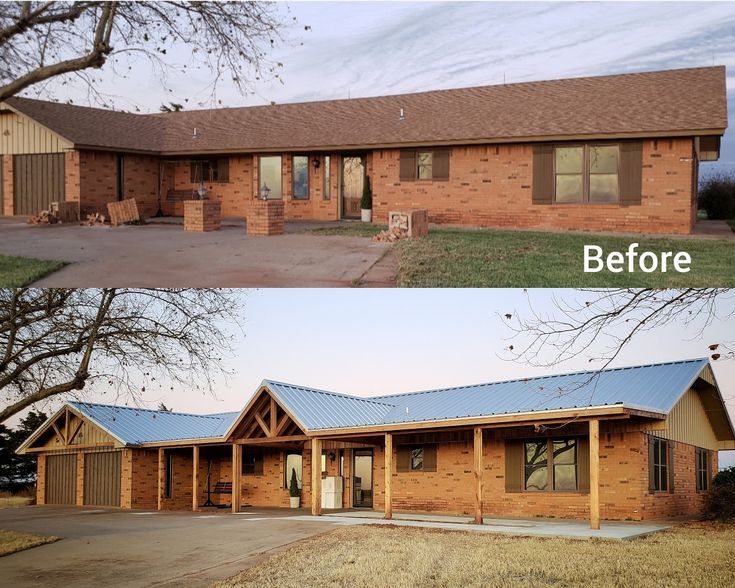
(370, 399)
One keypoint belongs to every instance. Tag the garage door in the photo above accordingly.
(38, 180)
(102, 478)
(61, 479)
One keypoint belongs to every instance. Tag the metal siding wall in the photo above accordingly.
(102, 478)
(38, 180)
(688, 423)
(19, 135)
(61, 479)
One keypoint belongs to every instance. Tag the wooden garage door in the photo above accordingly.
(61, 479)
(102, 478)
(38, 180)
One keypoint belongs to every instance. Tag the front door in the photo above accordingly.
(353, 180)
(362, 478)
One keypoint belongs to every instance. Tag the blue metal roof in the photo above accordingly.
(655, 387)
(138, 425)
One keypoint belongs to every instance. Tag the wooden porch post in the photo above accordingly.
(478, 467)
(195, 479)
(160, 477)
(316, 477)
(595, 474)
(388, 459)
(236, 470)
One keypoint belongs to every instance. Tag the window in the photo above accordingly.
(341, 462)
(417, 459)
(169, 476)
(269, 174)
(327, 177)
(324, 462)
(586, 173)
(300, 174)
(252, 463)
(425, 165)
(660, 467)
(551, 464)
(293, 463)
(702, 464)
(210, 170)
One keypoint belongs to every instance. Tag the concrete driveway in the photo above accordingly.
(163, 255)
(103, 547)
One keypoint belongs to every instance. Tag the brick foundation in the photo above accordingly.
(202, 215)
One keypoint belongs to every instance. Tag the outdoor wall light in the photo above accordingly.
(316, 162)
(264, 191)
(332, 456)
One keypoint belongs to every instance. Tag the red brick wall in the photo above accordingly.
(490, 186)
(143, 487)
(7, 188)
(140, 174)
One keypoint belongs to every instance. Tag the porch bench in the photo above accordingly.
(181, 195)
(219, 488)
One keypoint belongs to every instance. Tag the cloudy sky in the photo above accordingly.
(369, 342)
(371, 48)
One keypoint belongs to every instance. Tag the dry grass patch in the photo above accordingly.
(693, 555)
(12, 501)
(11, 541)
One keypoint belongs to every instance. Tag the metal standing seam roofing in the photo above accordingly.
(654, 387)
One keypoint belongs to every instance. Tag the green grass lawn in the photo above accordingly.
(494, 259)
(21, 271)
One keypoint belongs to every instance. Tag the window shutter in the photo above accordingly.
(259, 465)
(408, 166)
(651, 469)
(583, 461)
(543, 174)
(403, 458)
(429, 458)
(193, 173)
(513, 466)
(670, 455)
(223, 169)
(440, 165)
(631, 172)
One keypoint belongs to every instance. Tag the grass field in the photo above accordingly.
(13, 501)
(11, 541)
(493, 259)
(21, 271)
(366, 556)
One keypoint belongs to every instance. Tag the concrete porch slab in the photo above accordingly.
(564, 528)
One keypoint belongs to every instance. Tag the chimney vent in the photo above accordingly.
(402, 115)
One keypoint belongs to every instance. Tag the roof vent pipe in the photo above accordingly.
(401, 116)
(194, 135)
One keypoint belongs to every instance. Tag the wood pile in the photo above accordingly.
(125, 211)
(94, 220)
(391, 235)
(45, 217)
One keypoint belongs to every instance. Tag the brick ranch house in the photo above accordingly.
(631, 443)
(618, 153)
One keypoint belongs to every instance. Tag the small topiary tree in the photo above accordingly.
(720, 501)
(717, 196)
(366, 202)
(293, 486)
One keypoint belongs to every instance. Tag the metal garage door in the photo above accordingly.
(61, 479)
(102, 478)
(38, 180)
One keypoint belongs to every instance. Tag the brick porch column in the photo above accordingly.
(316, 477)
(236, 471)
(594, 474)
(160, 477)
(388, 459)
(195, 479)
(478, 468)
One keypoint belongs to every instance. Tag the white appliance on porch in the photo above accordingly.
(332, 492)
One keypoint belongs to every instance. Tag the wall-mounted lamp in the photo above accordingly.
(264, 191)
(332, 456)
(316, 162)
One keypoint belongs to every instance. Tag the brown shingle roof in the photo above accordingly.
(676, 101)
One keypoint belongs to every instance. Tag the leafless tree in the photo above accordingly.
(599, 324)
(43, 40)
(60, 341)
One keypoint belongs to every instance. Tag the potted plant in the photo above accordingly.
(293, 490)
(366, 202)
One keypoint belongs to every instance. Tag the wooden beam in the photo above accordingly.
(594, 474)
(273, 419)
(272, 440)
(388, 474)
(281, 424)
(236, 471)
(195, 479)
(161, 473)
(478, 467)
(76, 430)
(59, 434)
(251, 429)
(262, 424)
(87, 446)
(316, 477)
(66, 427)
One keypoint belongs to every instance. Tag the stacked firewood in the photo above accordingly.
(45, 217)
(93, 220)
(391, 235)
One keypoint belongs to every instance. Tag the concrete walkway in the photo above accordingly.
(163, 255)
(565, 528)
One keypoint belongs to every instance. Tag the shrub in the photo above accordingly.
(293, 487)
(720, 501)
(717, 196)
(366, 202)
